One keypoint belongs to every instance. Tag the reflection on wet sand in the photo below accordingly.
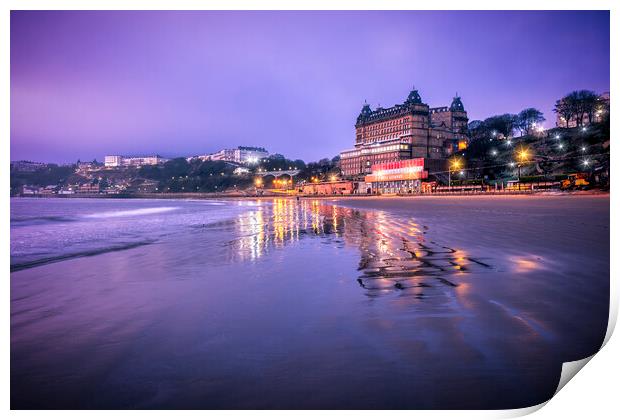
(273, 225)
(396, 255)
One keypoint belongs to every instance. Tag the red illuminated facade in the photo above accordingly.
(401, 177)
(405, 131)
(403, 170)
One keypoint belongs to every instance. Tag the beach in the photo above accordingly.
(366, 303)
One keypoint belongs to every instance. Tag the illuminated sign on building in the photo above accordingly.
(402, 170)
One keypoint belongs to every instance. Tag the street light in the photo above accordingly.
(454, 164)
(522, 155)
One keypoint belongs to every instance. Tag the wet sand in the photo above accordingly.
(439, 302)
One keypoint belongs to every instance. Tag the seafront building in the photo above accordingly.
(405, 131)
(240, 155)
(118, 160)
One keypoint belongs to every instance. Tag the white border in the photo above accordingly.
(593, 394)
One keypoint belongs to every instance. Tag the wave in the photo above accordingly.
(26, 220)
(89, 253)
(128, 213)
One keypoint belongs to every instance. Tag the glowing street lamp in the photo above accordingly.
(454, 164)
(522, 155)
(333, 178)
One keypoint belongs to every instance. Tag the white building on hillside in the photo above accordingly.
(241, 155)
(118, 160)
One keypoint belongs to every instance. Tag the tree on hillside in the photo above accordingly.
(577, 105)
(507, 123)
(278, 162)
(478, 130)
(474, 125)
(564, 108)
(321, 169)
(299, 164)
(503, 124)
(527, 119)
(585, 104)
(493, 125)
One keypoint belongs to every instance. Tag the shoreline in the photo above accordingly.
(217, 196)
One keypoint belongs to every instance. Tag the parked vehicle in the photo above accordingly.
(577, 181)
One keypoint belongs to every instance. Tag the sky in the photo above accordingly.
(85, 84)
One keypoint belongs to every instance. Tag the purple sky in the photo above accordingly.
(86, 84)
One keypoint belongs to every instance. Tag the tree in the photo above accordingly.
(585, 104)
(564, 108)
(321, 169)
(527, 119)
(503, 124)
(474, 125)
(478, 130)
(299, 164)
(277, 162)
(577, 105)
(506, 123)
(493, 125)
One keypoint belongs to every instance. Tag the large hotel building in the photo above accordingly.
(405, 131)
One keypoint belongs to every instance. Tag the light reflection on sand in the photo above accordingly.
(525, 264)
(396, 255)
